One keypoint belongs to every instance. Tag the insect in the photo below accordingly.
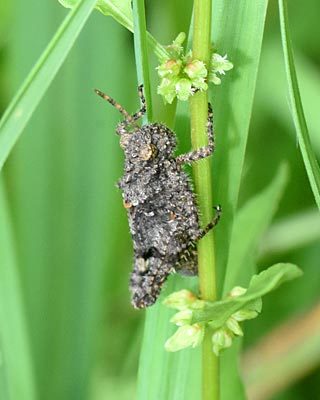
(160, 202)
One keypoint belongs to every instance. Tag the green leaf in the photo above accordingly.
(37, 82)
(255, 215)
(268, 280)
(309, 158)
(232, 101)
(16, 368)
(121, 11)
(291, 233)
(141, 54)
(232, 106)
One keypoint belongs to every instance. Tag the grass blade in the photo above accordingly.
(232, 102)
(232, 105)
(291, 233)
(141, 53)
(37, 82)
(16, 370)
(310, 161)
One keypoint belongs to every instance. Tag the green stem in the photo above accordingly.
(203, 185)
(141, 53)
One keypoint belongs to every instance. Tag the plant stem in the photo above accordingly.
(141, 53)
(203, 186)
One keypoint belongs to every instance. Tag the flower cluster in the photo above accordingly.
(191, 334)
(187, 334)
(182, 76)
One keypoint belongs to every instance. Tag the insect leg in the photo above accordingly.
(211, 224)
(143, 108)
(204, 151)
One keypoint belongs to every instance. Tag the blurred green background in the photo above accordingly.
(69, 230)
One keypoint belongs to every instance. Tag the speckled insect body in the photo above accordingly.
(161, 205)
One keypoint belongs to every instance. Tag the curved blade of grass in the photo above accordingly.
(37, 82)
(310, 161)
(16, 369)
(121, 11)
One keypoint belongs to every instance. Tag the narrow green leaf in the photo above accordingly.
(37, 82)
(255, 217)
(237, 30)
(16, 369)
(120, 10)
(309, 158)
(232, 106)
(268, 280)
(291, 233)
(272, 89)
(141, 54)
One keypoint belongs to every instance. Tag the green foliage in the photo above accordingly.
(261, 284)
(37, 82)
(16, 369)
(65, 251)
(309, 158)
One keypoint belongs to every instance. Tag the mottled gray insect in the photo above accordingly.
(160, 202)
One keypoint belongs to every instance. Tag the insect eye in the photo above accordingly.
(124, 140)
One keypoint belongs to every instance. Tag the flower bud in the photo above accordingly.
(233, 326)
(196, 70)
(221, 339)
(185, 336)
(180, 300)
(183, 317)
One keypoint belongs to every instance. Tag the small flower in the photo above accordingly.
(176, 49)
(180, 300)
(243, 315)
(233, 325)
(185, 336)
(196, 70)
(184, 89)
(169, 68)
(183, 317)
(221, 339)
(167, 89)
(218, 65)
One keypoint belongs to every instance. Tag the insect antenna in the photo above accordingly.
(118, 106)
